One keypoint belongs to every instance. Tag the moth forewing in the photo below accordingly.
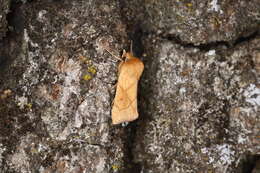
(125, 103)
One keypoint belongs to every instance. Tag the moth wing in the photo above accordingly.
(125, 102)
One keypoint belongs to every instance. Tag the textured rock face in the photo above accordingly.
(199, 105)
(202, 111)
(4, 9)
(196, 21)
(59, 98)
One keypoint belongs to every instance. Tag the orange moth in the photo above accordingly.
(125, 103)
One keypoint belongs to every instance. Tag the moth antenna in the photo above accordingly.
(131, 47)
(113, 54)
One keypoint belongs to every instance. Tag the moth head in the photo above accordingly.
(127, 55)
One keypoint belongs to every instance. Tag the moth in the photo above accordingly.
(125, 102)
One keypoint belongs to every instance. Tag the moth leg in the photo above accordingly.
(113, 55)
(114, 86)
(113, 101)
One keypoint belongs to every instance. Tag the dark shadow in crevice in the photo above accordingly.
(130, 131)
(243, 39)
(10, 114)
(201, 47)
(135, 35)
(14, 34)
(212, 45)
(249, 163)
(136, 38)
(15, 19)
(130, 165)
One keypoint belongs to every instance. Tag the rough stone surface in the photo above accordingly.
(4, 9)
(201, 112)
(196, 21)
(56, 91)
(199, 105)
